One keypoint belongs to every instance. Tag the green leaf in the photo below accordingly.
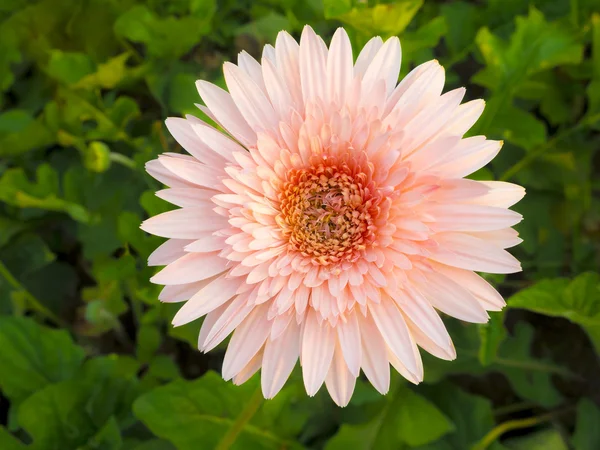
(26, 134)
(463, 21)
(407, 418)
(593, 90)
(578, 301)
(424, 38)
(69, 68)
(535, 45)
(204, 410)
(26, 254)
(333, 8)
(55, 417)
(518, 126)
(265, 28)
(382, 19)
(492, 334)
(107, 75)
(154, 444)
(149, 339)
(420, 421)
(85, 412)
(182, 93)
(14, 121)
(8, 229)
(9, 55)
(549, 439)
(9, 442)
(472, 416)
(33, 356)
(587, 432)
(108, 438)
(17, 190)
(167, 37)
(529, 377)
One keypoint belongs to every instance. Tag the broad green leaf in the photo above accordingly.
(420, 421)
(577, 300)
(108, 438)
(472, 416)
(148, 340)
(55, 416)
(84, 412)
(182, 94)
(333, 8)
(382, 19)
(422, 40)
(535, 45)
(204, 410)
(14, 121)
(587, 432)
(154, 444)
(517, 126)
(548, 439)
(69, 68)
(33, 356)
(265, 28)
(463, 19)
(35, 135)
(492, 334)
(26, 254)
(9, 228)
(167, 37)
(406, 419)
(529, 377)
(9, 442)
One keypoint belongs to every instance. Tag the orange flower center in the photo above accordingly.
(327, 213)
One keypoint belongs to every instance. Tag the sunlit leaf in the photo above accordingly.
(577, 300)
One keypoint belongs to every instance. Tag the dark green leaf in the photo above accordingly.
(587, 432)
(33, 356)
(203, 411)
(578, 301)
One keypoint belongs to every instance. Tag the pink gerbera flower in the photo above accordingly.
(331, 220)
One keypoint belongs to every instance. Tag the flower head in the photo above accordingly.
(331, 220)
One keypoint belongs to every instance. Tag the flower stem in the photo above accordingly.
(34, 303)
(247, 413)
(510, 425)
(538, 151)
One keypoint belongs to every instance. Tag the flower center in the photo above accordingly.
(327, 213)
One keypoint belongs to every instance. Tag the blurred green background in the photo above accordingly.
(88, 359)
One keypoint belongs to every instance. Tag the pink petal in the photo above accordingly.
(318, 344)
(186, 223)
(374, 361)
(213, 295)
(340, 381)
(247, 340)
(312, 66)
(226, 112)
(392, 326)
(279, 360)
(468, 252)
(168, 252)
(191, 267)
(348, 333)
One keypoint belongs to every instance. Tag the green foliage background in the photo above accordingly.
(88, 359)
